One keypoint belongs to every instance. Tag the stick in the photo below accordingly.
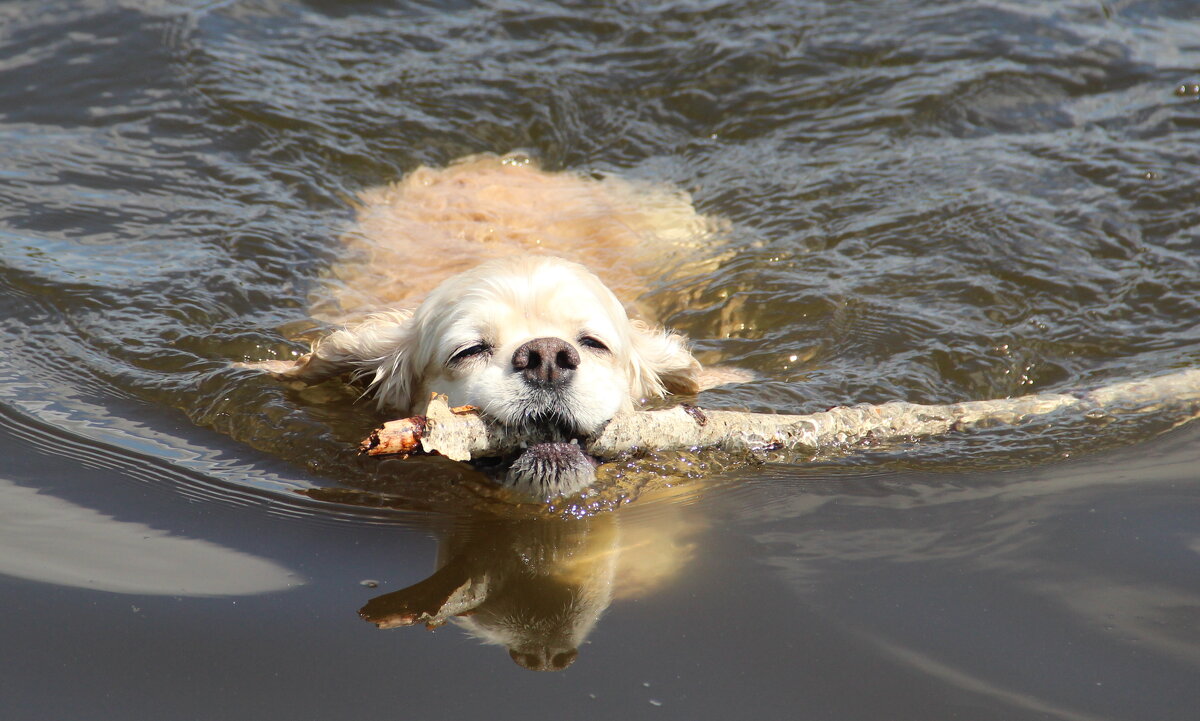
(462, 434)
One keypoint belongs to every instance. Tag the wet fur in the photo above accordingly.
(481, 249)
(480, 261)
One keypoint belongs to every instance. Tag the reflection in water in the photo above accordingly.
(538, 586)
(928, 201)
(47, 539)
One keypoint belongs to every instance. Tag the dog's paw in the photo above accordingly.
(277, 368)
(713, 376)
(309, 368)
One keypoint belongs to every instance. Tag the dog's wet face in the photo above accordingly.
(542, 348)
(537, 344)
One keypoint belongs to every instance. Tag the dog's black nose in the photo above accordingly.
(546, 361)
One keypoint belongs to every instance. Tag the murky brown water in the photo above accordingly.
(926, 201)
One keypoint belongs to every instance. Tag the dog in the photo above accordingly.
(508, 320)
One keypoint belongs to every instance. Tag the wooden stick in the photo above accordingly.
(462, 434)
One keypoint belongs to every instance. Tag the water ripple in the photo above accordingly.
(1004, 206)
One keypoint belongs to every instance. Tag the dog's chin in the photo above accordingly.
(553, 463)
(551, 469)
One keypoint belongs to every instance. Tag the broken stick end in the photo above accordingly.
(402, 437)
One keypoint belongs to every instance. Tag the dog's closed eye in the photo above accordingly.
(594, 343)
(471, 351)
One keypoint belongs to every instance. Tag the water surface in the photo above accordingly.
(932, 202)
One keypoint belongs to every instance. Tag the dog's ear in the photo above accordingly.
(375, 350)
(378, 351)
(662, 363)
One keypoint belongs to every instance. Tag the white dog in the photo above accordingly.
(536, 342)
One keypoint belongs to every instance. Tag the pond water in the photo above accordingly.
(927, 201)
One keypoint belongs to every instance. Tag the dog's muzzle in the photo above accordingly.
(553, 464)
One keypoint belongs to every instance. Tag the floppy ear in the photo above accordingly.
(375, 350)
(662, 363)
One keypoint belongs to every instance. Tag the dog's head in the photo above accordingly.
(538, 344)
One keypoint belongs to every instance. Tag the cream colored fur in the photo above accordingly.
(486, 251)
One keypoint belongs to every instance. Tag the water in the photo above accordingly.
(925, 201)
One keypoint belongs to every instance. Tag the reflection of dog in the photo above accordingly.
(538, 587)
(535, 342)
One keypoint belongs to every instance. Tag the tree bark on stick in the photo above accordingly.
(462, 434)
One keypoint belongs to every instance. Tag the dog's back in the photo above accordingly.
(435, 222)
